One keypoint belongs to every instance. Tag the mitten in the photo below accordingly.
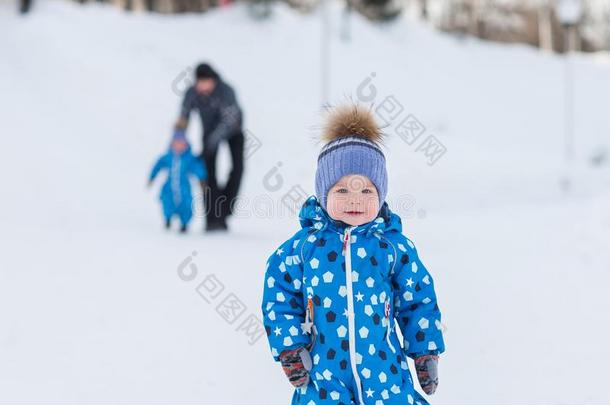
(427, 372)
(296, 364)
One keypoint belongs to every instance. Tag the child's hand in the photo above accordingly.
(296, 364)
(427, 372)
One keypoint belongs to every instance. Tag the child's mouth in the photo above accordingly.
(353, 212)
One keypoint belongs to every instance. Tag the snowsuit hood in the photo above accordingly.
(179, 134)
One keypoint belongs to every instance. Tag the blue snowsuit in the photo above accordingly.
(342, 298)
(176, 196)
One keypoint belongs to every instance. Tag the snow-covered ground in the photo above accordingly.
(92, 310)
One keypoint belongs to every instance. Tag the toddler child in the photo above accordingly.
(335, 290)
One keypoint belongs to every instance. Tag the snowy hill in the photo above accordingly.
(92, 310)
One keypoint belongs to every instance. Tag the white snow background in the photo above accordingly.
(92, 310)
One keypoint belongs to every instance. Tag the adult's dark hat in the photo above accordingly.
(205, 71)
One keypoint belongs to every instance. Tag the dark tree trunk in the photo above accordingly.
(24, 6)
(424, 10)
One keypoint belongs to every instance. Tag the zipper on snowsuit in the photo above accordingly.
(351, 327)
(175, 180)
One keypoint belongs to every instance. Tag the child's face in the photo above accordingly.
(353, 200)
(205, 86)
(178, 146)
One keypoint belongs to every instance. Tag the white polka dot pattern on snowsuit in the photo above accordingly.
(356, 281)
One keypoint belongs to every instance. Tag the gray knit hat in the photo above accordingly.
(353, 147)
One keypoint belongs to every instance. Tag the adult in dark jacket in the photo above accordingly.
(221, 119)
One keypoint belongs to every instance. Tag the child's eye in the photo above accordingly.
(341, 190)
(367, 191)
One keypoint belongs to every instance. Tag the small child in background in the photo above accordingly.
(180, 163)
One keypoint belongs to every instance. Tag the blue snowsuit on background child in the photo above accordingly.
(176, 197)
(314, 278)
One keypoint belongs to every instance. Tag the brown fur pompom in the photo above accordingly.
(350, 119)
